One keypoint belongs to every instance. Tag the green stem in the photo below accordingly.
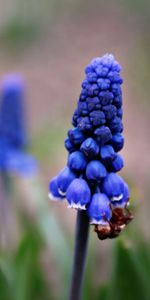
(80, 251)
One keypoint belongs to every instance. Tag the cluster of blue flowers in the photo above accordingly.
(13, 140)
(89, 181)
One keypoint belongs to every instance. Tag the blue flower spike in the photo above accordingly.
(13, 138)
(92, 182)
(12, 115)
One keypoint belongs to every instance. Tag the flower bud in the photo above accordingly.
(76, 136)
(117, 164)
(69, 146)
(117, 141)
(77, 161)
(95, 170)
(107, 153)
(103, 134)
(90, 147)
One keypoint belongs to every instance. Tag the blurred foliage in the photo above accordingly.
(27, 18)
(21, 274)
(24, 277)
(42, 146)
(17, 34)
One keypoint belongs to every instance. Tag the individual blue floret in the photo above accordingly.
(117, 164)
(97, 118)
(120, 112)
(93, 103)
(64, 178)
(95, 171)
(90, 147)
(117, 141)
(107, 154)
(118, 101)
(99, 209)
(103, 134)
(53, 189)
(106, 97)
(77, 161)
(104, 84)
(76, 136)
(101, 71)
(69, 146)
(113, 186)
(84, 124)
(110, 111)
(122, 201)
(78, 194)
(82, 108)
(116, 125)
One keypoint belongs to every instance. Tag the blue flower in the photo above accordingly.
(110, 111)
(97, 118)
(12, 122)
(93, 147)
(93, 103)
(116, 164)
(121, 202)
(103, 134)
(84, 124)
(19, 162)
(69, 146)
(53, 189)
(113, 186)
(107, 153)
(117, 141)
(76, 136)
(13, 139)
(77, 161)
(99, 209)
(95, 170)
(64, 178)
(90, 148)
(116, 125)
(78, 194)
(106, 97)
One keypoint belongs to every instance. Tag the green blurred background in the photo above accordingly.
(50, 42)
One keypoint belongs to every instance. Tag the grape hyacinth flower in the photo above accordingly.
(13, 142)
(93, 146)
(99, 194)
(13, 139)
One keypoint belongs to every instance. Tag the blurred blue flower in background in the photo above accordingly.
(13, 138)
(93, 145)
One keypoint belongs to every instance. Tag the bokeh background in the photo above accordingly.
(50, 42)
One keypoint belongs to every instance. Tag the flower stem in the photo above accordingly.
(80, 250)
(4, 209)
